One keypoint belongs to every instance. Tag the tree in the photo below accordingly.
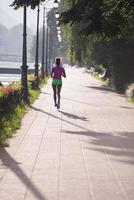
(109, 18)
(19, 3)
(105, 30)
(54, 45)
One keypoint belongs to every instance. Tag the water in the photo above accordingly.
(8, 78)
(14, 65)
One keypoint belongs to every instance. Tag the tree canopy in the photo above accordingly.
(19, 3)
(111, 18)
(100, 33)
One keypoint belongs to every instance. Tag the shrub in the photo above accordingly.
(130, 91)
(12, 108)
(9, 95)
(117, 54)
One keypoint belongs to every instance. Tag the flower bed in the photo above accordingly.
(13, 108)
(9, 95)
(10, 100)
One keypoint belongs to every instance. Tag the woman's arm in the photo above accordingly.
(64, 73)
(52, 73)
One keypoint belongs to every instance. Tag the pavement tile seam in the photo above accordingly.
(125, 196)
(35, 162)
(87, 171)
(59, 159)
(20, 143)
(15, 152)
(118, 183)
(100, 140)
(89, 184)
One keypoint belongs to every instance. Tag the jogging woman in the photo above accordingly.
(56, 73)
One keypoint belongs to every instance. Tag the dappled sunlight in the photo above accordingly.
(119, 145)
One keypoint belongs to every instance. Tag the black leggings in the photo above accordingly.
(56, 90)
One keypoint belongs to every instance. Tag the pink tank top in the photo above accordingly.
(57, 72)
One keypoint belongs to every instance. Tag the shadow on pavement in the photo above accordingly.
(73, 116)
(101, 88)
(89, 104)
(126, 107)
(72, 100)
(9, 162)
(120, 145)
(71, 123)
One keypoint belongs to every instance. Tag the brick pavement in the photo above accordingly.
(84, 151)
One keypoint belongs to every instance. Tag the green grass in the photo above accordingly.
(11, 121)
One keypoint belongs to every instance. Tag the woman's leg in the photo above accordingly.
(54, 93)
(58, 93)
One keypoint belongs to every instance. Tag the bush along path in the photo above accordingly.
(13, 108)
(108, 82)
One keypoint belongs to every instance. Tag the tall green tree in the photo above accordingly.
(54, 45)
(110, 18)
(105, 30)
(32, 3)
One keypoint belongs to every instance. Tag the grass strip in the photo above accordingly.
(11, 121)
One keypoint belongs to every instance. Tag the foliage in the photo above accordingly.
(54, 47)
(10, 98)
(12, 108)
(102, 33)
(19, 3)
(109, 18)
(117, 54)
(9, 95)
(130, 92)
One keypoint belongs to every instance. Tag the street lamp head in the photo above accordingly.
(24, 2)
(59, 38)
(57, 15)
(56, 4)
(57, 22)
(59, 32)
(55, 1)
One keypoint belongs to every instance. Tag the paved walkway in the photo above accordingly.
(84, 151)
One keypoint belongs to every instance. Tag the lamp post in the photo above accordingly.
(43, 41)
(49, 54)
(24, 88)
(46, 70)
(43, 45)
(37, 50)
